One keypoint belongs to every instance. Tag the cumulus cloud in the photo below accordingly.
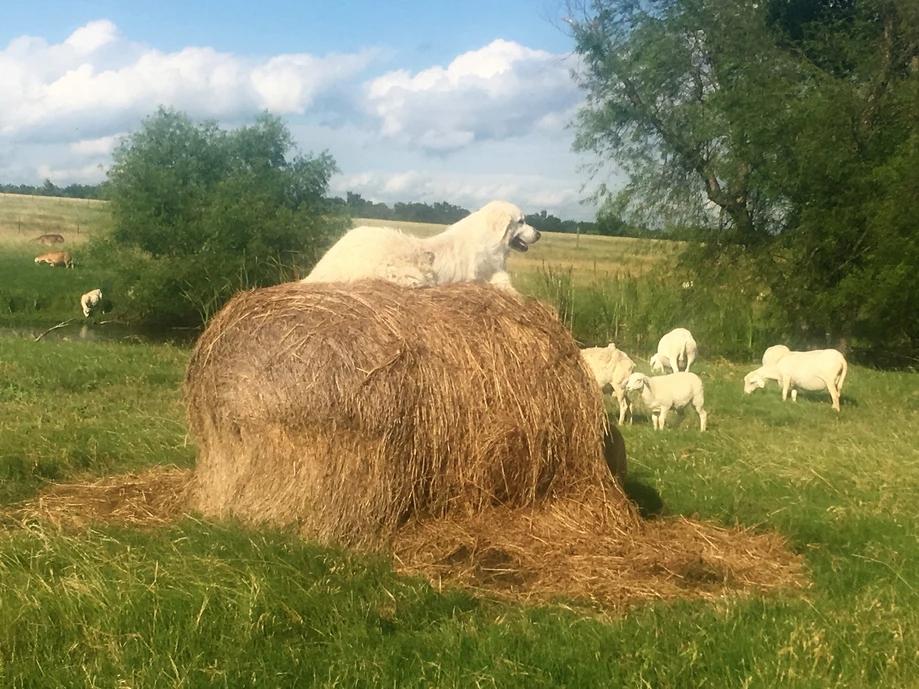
(103, 146)
(95, 82)
(500, 91)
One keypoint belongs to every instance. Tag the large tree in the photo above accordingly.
(201, 212)
(786, 128)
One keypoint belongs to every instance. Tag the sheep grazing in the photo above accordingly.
(611, 366)
(660, 394)
(89, 301)
(772, 354)
(61, 259)
(676, 351)
(49, 239)
(822, 369)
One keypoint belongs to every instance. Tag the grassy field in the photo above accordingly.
(23, 218)
(206, 604)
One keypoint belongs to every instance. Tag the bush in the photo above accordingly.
(200, 213)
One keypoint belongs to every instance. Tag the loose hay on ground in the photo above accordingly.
(144, 499)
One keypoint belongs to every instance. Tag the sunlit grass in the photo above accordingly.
(204, 604)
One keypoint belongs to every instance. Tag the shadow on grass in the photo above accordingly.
(645, 496)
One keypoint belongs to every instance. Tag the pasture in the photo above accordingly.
(204, 603)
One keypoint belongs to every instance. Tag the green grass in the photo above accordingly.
(69, 408)
(205, 604)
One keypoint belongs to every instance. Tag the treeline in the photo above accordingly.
(445, 213)
(48, 188)
(355, 205)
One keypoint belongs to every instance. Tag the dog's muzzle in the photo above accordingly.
(518, 243)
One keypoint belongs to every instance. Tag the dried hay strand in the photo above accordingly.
(566, 549)
(145, 499)
(345, 410)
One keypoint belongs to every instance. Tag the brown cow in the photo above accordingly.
(56, 258)
(49, 239)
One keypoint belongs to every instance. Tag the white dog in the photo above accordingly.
(473, 249)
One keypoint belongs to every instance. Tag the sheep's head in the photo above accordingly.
(753, 381)
(658, 362)
(636, 382)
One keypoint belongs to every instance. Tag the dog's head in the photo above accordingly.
(507, 226)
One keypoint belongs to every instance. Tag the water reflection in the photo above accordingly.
(89, 331)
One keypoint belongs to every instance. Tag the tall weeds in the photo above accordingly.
(634, 311)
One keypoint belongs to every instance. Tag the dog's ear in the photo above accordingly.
(501, 220)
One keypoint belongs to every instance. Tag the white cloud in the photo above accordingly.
(500, 91)
(92, 36)
(103, 146)
(99, 82)
(89, 173)
(494, 117)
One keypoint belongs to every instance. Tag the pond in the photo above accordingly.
(80, 330)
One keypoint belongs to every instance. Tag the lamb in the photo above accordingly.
(56, 258)
(675, 348)
(822, 369)
(611, 366)
(660, 394)
(90, 301)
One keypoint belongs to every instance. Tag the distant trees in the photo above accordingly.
(48, 188)
(200, 212)
(788, 130)
(439, 212)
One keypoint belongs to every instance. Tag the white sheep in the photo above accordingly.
(90, 301)
(660, 394)
(772, 354)
(675, 348)
(611, 366)
(822, 369)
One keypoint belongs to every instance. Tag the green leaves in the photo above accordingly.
(201, 212)
(774, 126)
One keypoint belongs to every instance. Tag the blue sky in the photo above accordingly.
(417, 101)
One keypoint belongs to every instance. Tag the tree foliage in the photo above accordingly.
(200, 212)
(787, 129)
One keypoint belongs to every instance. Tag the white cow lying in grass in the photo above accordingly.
(660, 394)
(822, 369)
(90, 301)
(611, 366)
(676, 351)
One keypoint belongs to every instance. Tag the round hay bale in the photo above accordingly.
(348, 409)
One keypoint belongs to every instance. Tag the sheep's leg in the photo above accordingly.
(662, 418)
(834, 395)
(703, 418)
(623, 405)
(794, 394)
(690, 357)
(786, 385)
